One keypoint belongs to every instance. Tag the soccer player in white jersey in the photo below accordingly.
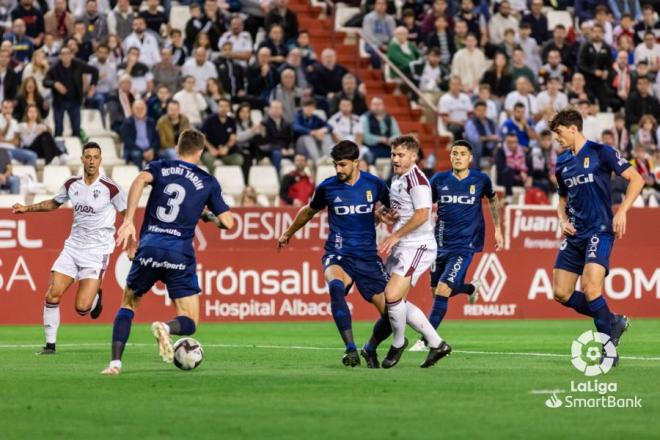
(95, 199)
(411, 250)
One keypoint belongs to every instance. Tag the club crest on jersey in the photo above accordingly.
(370, 197)
(96, 193)
(586, 162)
(473, 189)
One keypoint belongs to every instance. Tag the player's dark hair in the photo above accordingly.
(479, 103)
(566, 118)
(190, 142)
(461, 143)
(407, 141)
(90, 145)
(518, 105)
(345, 150)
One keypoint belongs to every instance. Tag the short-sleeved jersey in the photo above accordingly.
(94, 211)
(585, 180)
(409, 192)
(180, 191)
(460, 226)
(351, 213)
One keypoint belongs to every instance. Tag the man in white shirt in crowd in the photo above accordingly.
(346, 125)
(552, 97)
(192, 102)
(455, 108)
(200, 68)
(241, 42)
(500, 22)
(649, 50)
(9, 138)
(523, 94)
(469, 65)
(143, 40)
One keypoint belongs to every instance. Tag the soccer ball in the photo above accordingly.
(188, 353)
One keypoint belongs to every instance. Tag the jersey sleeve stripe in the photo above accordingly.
(69, 182)
(112, 187)
(421, 178)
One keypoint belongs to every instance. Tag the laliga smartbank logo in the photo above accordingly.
(593, 354)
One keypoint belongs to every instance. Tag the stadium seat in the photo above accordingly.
(344, 13)
(231, 179)
(264, 180)
(179, 16)
(363, 49)
(109, 151)
(54, 177)
(323, 172)
(124, 175)
(229, 199)
(262, 200)
(8, 200)
(25, 170)
(74, 149)
(92, 122)
(559, 17)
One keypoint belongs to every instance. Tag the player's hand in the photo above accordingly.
(131, 249)
(388, 244)
(125, 234)
(499, 240)
(619, 223)
(18, 208)
(283, 240)
(567, 228)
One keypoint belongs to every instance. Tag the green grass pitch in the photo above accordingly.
(286, 381)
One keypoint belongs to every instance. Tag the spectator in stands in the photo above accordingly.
(278, 137)
(214, 93)
(519, 125)
(576, 89)
(37, 69)
(200, 68)
(509, 45)
(476, 22)
(36, 136)
(146, 42)
(621, 7)
(59, 21)
(648, 23)
(157, 102)
(552, 97)
(481, 132)
(66, 80)
(295, 63)
(498, 77)
(29, 95)
(625, 29)
(554, 69)
(139, 135)
(9, 136)
(241, 42)
(541, 162)
(455, 108)
(261, 78)
(297, 187)
(594, 63)
(107, 83)
(400, 51)
(326, 76)
(429, 21)
(166, 72)
(492, 106)
(538, 22)
(442, 39)
(285, 17)
(584, 9)
(9, 79)
(33, 19)
(275, 42)
(460, 34)
(179, 50)
(349, 89)
(430, 76)
(646, 136)
(248, 136)
(120, 103)
(288, 94)
(558, 42)
(141, 76)
(649, 51)
(378, 29)
(500, 22)
(414, 32)
(80, 47)
(519, 68)
(642, 70)
(120, 20)
(313, 133)
(249, 198)
(620, 81)
(192, 102)
(154, 17)
(220, 131)
(8, 181)
(116, 51)
(469, 64)
(230, 73)
(21, 45)
(345, 124)
(642, 161)
(306, 50)
(213, 22)
(511, 166)
(96, 24)
(379, 129)
(639, 103)
(529, 46)
(523, 94)
(621, 136)
(169, 127)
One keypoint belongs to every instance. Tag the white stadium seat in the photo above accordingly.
(92, 122)
(124, 175)
(108, 151)
(344, 13)
(229, 200)
(73, 149)
(179, 16)
(8, 200)
(231, 179)
(323, 172)
(54, 177)
(263, 178)
(262, 200)
(559, 17)
(25, 170)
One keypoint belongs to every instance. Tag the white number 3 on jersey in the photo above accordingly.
(168, 214)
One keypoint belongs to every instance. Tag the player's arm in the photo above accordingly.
(305, 214)
(635, 185)
(496, 215)
(45, 206)
(417, 220)
(126, 233)
(567, 227)
(222, 221)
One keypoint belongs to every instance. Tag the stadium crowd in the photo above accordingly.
(247, 75)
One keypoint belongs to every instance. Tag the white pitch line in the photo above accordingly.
(558, 391)
(307, 347)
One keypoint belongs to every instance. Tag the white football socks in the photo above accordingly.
(420, 323)
(51, 322)
(397, 314)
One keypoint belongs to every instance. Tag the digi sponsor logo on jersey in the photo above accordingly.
(354, 209)
(580, 179)
(493, 278)
(460, 200)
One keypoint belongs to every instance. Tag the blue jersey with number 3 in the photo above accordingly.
(180, 191)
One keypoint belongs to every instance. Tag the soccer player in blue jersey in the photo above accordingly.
(180, 193)
(351, 255)
(460, 229)
(584, 172)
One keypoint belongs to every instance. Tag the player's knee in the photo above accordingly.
(443, 289)
(560, 294)
(53, 294)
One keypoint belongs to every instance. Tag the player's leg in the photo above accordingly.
(90, 274)
(57, 285)
(121, 329)
(338, 284)
(593, 282)
(568, 267)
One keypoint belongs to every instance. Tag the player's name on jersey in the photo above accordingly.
(185, 172)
